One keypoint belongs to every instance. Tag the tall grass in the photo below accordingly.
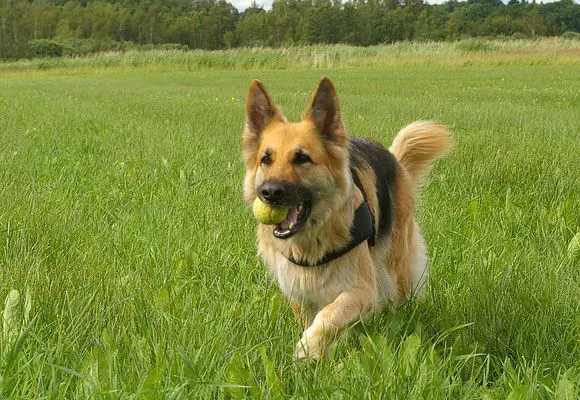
(548, 51)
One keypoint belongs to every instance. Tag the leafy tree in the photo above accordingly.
(81, 26)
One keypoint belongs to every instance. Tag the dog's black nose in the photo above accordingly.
(272, 192)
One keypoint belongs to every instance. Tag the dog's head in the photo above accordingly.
(303, 165)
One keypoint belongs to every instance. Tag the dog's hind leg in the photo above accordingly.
(401, 244)
(419, 265)
(407, 262)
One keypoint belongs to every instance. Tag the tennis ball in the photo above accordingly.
(267, 214)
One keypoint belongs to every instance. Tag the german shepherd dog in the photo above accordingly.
(350, 244)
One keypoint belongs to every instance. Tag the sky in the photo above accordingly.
(241, 5)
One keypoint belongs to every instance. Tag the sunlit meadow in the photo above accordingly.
(128, 263)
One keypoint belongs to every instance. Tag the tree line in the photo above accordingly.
(57, 27)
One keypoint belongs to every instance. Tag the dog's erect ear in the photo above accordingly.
(260, 109)
(324, 111)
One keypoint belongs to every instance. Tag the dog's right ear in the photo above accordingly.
(260, 111)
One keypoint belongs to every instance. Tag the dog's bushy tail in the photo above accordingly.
(418, 145)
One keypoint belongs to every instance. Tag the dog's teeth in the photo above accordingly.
(291, 226)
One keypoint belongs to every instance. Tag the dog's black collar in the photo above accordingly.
(363, 228)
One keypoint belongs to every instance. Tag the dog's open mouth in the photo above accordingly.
(297, 216)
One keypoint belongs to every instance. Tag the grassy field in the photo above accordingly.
(127, 258)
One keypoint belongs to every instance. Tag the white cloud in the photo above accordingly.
(241, 5)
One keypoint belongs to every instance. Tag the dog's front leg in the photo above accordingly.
(346, 308)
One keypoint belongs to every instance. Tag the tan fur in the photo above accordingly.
(418, 145)
(327, 298)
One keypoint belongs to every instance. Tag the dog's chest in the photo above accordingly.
(318, 286)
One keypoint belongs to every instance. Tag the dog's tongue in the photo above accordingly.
(290, 219)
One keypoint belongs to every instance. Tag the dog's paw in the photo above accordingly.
(308, 348)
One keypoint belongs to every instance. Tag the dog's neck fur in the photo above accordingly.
(318, 238)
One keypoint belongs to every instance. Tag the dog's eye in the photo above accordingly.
(266, 160)
(302, 158)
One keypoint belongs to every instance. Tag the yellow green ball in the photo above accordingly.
(267, 214)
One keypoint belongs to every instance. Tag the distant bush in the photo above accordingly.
(78, 47)
(90, 46)
(163, 46)
(173, 46)
(473, 45)
(571, 35)
(518, 36)
(45, 48)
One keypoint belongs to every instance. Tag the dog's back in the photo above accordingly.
(391, 179)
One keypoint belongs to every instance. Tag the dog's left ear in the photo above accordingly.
(324, 111)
